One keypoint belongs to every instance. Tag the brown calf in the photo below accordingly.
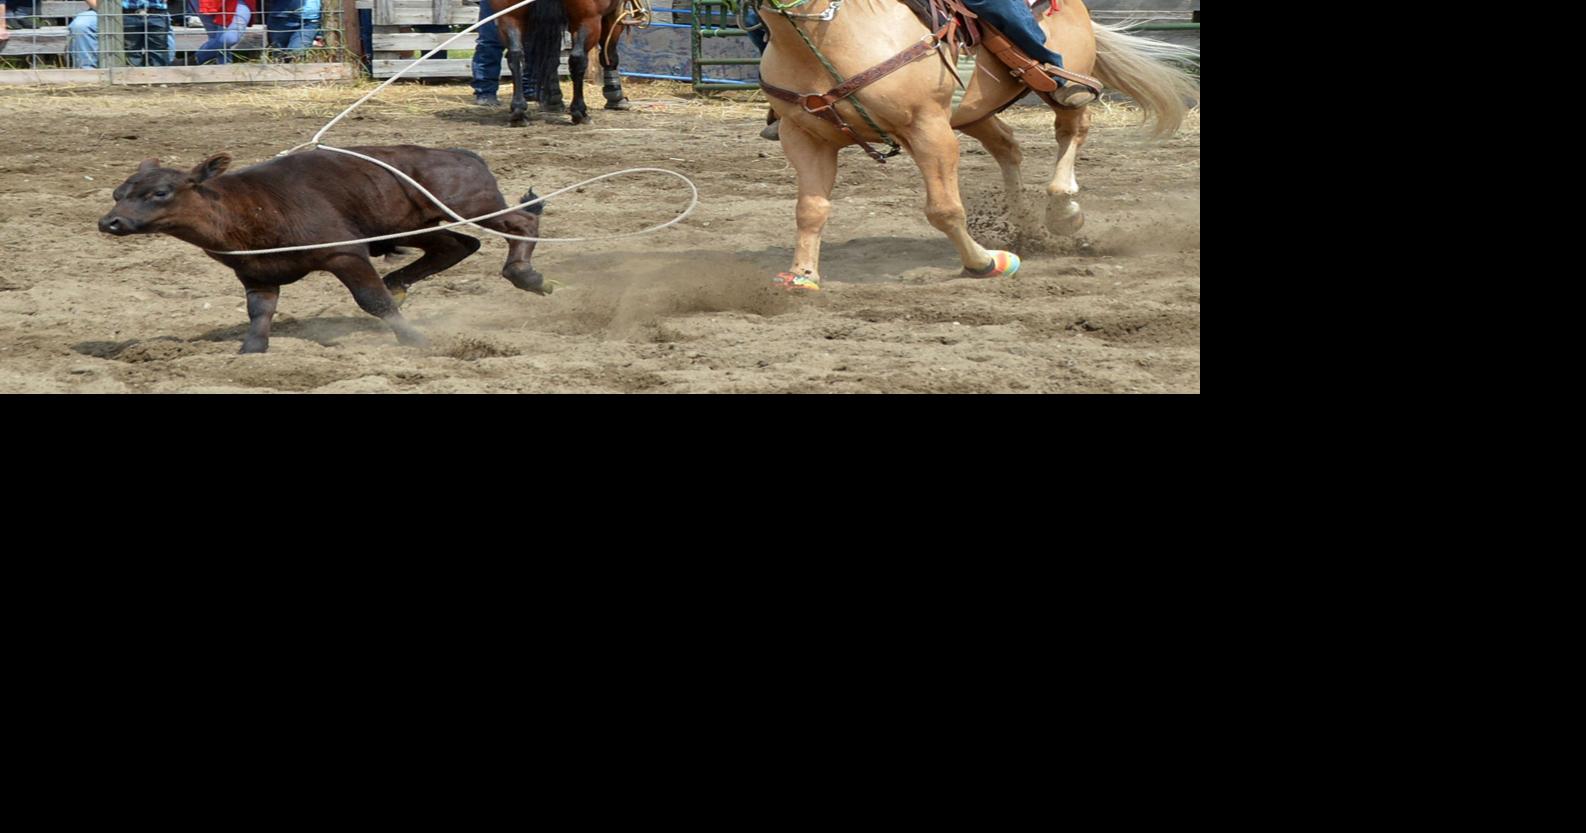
(321, 196)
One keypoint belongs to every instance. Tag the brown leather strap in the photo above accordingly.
(823, 105)
(1031, 73)
(829, 114)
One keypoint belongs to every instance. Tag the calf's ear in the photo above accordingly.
(148, 165)
(212, 167)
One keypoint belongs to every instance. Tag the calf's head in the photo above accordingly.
(155, 199)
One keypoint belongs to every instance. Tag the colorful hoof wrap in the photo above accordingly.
(788, 280)
(1003, 265)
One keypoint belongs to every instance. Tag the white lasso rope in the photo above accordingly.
(318, 145)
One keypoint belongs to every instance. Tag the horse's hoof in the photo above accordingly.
(1065, 226)
(796, 283)
(1003, 265)
(622, 104)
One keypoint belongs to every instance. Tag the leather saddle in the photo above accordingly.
(967, 30)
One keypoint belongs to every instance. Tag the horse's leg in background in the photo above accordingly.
(934, 146)
(511, 29)
(1063, 215)
(998, 139)
(611, 87)
(442, 250)
(586, 37)
(816, 163)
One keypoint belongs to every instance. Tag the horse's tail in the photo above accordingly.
(1149, 71)
(547, 22)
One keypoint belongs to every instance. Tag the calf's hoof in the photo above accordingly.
(526, 278)
(251, 346)
(409, 337)
(399, 294)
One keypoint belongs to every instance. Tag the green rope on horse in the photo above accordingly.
(852, 99)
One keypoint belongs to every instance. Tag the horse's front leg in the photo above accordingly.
(816, 162)
(611, 81)
(935, 149)
(585, 39)
(512, 31)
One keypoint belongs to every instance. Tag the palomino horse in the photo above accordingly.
(593, 23)
(913, 105)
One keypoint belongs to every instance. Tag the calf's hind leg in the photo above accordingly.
(442, 250)
(358, 275)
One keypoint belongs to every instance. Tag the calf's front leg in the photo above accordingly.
(261, 310)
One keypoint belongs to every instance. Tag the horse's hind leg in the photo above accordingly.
(512, 32)
(442, 250)
(995, 135)
(935, 149)
(1063, 215)
(585, 39)
(611, 81)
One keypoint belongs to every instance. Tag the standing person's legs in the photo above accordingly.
(135, 38)
(157, 26)
(83, 32)
(487, 60)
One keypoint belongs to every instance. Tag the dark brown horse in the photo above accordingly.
(535, 32)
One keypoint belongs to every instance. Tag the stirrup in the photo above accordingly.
(1072, 95)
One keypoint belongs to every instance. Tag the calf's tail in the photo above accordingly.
(535, 209)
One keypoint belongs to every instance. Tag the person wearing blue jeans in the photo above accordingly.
(286, 21)
(1014, 19)
(225, 22)
(146, 31)
(487, 65)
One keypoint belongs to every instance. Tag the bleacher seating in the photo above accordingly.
(52, 40)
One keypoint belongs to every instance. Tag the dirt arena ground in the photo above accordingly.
(1116, 309)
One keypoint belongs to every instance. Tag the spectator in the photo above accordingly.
(293, 23)
(145, 28)
(225, 21)
(83, 37)
(17, 15)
